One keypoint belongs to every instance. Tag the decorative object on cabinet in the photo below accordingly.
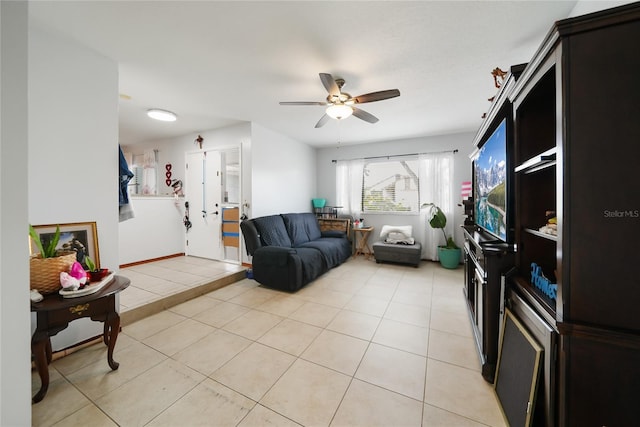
(167, 174)
(318, 203)
(78, 237)
(326, 212)
(94, 271)
(58, 247)
(44, 273)
(498, 80)
(198, 141)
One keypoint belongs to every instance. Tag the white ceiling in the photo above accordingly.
(218, 63)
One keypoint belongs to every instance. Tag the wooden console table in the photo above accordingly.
(54, 313)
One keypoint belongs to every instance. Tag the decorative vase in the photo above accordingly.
(449, 258)
(45, 272)
(96, 276)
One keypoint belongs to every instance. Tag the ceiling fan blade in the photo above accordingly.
(377, 96)
(330, 84)
(302, 103)
(363, 115)
(324, 119)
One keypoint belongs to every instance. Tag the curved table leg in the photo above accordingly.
(112, 324)
(48, 350)
(105, 333)
(40, 343)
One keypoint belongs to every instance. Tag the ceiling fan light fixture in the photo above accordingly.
(162, 115)
(339, 111)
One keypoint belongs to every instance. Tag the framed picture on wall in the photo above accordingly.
(80, 237)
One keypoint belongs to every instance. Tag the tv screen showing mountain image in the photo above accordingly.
(490, 183)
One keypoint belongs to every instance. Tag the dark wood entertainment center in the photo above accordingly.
(485, 263)
(575, 109)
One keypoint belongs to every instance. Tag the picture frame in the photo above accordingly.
(80, 237)
(517, 372)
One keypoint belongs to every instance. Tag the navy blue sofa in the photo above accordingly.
(289, 250)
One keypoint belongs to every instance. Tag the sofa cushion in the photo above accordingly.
(272, 231)
(334, 250)
(294, 223)
(302, 227)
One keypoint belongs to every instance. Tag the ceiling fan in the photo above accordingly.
(341, 104)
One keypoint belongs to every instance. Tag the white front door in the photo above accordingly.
(204, 195)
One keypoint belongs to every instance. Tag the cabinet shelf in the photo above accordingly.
(541, 234)
(544, 305)
(542, 161)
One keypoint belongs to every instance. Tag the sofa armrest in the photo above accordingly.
(274, 255)
(251, 236)
(278, 267)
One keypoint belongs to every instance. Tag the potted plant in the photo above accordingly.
(449, 254)
(45, 267)
(94, 273)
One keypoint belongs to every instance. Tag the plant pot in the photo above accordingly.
(96, 276)
(449, 258)
(45, 272)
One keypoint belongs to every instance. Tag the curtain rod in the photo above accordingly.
(398, 155)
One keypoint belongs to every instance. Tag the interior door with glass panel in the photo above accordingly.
(204, 195)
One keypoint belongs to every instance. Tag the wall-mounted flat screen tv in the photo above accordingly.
(490, 183)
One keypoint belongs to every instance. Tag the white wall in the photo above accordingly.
(463, 142)
(584, 7)
(15, 352)
(283, 173)
(73, 148)
(155, 231)
(173, 150)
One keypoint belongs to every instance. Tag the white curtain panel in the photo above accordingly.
(349, 186)
(149, 178)
(436, 186)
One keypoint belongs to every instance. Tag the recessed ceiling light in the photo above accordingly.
(163, 115)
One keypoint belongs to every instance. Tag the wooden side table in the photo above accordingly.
(54, 313)
(362, 247)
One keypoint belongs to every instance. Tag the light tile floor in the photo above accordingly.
(365, 345)
(161, 280)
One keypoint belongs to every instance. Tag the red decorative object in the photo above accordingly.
(168, 174)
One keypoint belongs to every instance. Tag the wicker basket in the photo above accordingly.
(45, 273)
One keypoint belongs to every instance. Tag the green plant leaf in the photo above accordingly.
(439, 220)
(51, 247)
(36, 239)
(90, 264)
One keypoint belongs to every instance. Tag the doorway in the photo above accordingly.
(213, 193)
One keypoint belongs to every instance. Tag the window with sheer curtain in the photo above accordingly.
(399, 184)
(391, 185)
